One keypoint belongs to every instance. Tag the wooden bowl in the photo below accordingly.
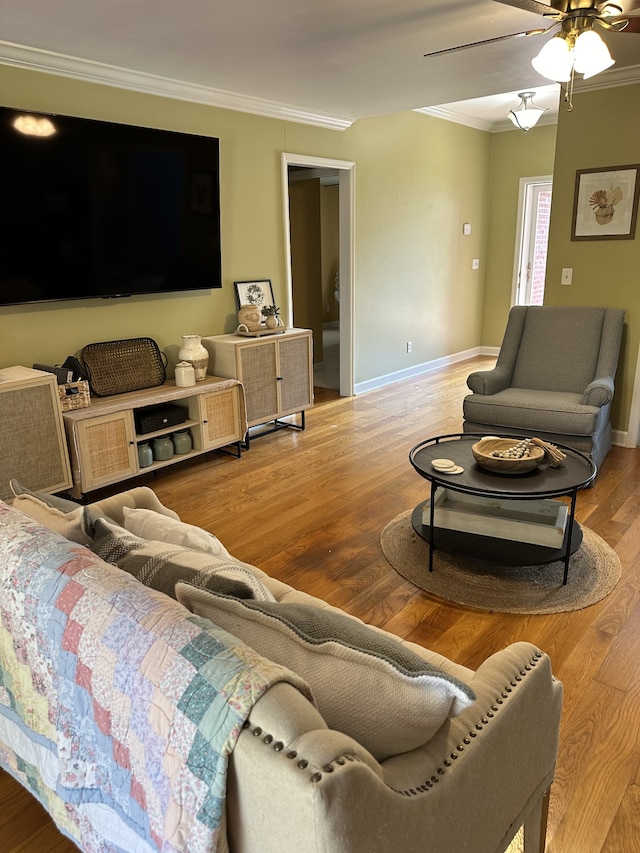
(483, 449)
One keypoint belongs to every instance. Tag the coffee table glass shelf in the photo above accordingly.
(506, 519)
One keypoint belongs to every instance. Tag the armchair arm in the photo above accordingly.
(599, 392)
(490, 381)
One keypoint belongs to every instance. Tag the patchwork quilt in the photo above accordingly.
(118, 709)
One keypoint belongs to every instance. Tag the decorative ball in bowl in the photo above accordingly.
(507, 455)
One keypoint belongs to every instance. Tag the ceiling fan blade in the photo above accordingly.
(555, 7)
(632, 26)
(485, 41)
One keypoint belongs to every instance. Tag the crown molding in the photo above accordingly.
(34, 59)
(456, 118)
(482, 124)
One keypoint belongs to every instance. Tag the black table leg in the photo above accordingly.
(572, 512)
(432, 545)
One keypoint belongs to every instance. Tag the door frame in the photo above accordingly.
(522, 239)
(346, 205)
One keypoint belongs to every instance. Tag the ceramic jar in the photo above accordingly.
(182, 442)
(145, 455)
(185, 374)
(250, 316)
(193, 352)
(162, 448)
(271, 321)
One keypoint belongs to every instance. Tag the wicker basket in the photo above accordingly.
(74, 395)
(115, 367)
(482, 452)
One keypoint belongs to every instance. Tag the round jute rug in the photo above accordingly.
(594, 571)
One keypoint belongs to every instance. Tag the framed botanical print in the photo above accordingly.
(605, 205)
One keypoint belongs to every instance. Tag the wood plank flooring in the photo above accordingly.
(308, 507)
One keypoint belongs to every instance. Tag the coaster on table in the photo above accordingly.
(443, 464)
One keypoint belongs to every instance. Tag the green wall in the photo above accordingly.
(514, 155)
(417, 180)
(602, 130)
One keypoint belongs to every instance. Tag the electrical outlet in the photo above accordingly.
(409, 346)
(475, 264)
(567, 275)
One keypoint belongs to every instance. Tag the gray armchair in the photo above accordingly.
(554, 378)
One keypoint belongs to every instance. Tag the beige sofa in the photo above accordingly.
(455, 760)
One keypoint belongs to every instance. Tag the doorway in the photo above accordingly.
(532, 234)
(339, 332)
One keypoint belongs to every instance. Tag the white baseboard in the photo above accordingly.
(425, 367)
(619, 437)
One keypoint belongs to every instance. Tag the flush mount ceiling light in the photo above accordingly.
(32, 125)
(526, 115)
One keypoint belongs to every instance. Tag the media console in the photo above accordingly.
(103, 442)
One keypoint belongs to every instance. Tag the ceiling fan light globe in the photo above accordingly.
(591, 55)
(555, 60)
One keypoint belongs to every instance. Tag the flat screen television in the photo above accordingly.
(102, 210)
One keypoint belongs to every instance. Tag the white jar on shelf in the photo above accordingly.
(185, 374)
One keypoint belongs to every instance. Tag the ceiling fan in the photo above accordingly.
(577, 46)
(574, 17)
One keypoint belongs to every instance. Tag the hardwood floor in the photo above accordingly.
(308, 507)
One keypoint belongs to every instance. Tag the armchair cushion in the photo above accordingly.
(364, 682)
(531, 411)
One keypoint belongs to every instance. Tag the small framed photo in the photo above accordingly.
(605, 205)
(258, 292)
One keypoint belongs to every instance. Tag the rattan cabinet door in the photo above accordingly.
(33, 449)
(295, 376)
(220, 418)
(257, 370)
(106, 448)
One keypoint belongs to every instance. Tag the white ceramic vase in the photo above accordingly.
(196, 354)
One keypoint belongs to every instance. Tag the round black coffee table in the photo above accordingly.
(576, 472)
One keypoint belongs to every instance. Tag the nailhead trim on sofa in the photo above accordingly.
(316, 776)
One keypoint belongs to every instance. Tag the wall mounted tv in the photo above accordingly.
(90, 209)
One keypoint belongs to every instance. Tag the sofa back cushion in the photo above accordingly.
(364, 683)
(161, 565)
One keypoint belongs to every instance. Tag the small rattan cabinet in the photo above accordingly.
(103, 442)
(275, 370)
(32, 449)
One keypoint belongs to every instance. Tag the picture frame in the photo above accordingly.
(258, 292)
(605, 205)
(202, 196)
